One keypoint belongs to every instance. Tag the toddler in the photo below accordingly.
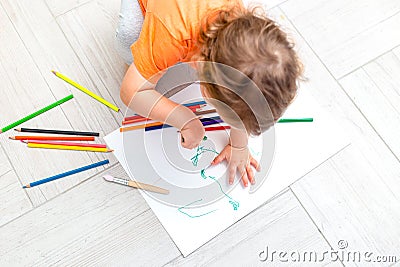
(155, 35)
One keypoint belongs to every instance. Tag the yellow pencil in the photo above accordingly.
(85, 90)
(80, 148)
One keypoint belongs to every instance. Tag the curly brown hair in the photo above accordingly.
(256, 46)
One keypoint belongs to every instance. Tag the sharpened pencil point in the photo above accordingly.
(24, 186)
(53, 71)
(12, 138)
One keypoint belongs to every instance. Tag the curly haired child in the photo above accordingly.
(155, 35)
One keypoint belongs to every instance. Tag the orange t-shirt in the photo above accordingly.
(169, 32)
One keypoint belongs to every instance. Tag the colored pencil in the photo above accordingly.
(29, 130)
(202, 112)
(61, 147)
(141, 119)
(283, 120)
(141, 126)
(64, 174)
(135, 184)
(37, 113)
(135, 117)
(217, 128)
(204, 121)
(85, 90)
(53, 138)
(194, 105)
(66, 144)
(135, 121)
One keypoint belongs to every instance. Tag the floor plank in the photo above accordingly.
(97, 223)
(14, 201)
(346, 34)
(265, 4)
(348, 196)
(50, 50)
(23, 91)
(90, 29)
(375, 88)
(5, 165)
(279, 225)
(58, 8)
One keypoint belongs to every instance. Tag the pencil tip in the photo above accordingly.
(54, 72)
(12, 138)
(24, 186)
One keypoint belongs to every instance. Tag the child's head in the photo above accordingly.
(258, 48)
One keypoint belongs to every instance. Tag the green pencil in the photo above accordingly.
(296, 120)
(37, 113)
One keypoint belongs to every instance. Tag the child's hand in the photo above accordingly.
(239, 159)
(192, 133)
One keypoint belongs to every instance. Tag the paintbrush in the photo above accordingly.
(134, 184)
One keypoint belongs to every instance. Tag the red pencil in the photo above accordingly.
(66, 143)
(135, 120)
(60, 138)
(216, 128)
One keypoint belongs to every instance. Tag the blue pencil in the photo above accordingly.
(195, 103)
(61, 175)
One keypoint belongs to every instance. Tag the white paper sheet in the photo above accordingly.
(157, 158)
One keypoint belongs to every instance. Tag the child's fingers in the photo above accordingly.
(189, 145)
(244, 178)
(255, 164)
(250, 174)
(218, 159)
(232, 173)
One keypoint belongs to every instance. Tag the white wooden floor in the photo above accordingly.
(351, 51)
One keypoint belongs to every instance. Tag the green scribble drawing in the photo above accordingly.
(253, 152)
(200, 150)
(195, 159)
(193, 216)
(235, 204)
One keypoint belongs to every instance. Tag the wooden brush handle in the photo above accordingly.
(148, 187)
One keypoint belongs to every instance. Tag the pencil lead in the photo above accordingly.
(54, 72)
(12, 137)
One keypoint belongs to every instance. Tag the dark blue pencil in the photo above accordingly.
(204, 121)
(61, 175)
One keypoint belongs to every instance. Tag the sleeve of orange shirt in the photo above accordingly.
(156, 49)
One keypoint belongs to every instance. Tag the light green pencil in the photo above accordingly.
(37, 113)
(86, 91)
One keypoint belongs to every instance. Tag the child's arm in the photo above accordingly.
(139, 94)
(238, 156)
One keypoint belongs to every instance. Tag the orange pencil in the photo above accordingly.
(141, 126)
(54, 138)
